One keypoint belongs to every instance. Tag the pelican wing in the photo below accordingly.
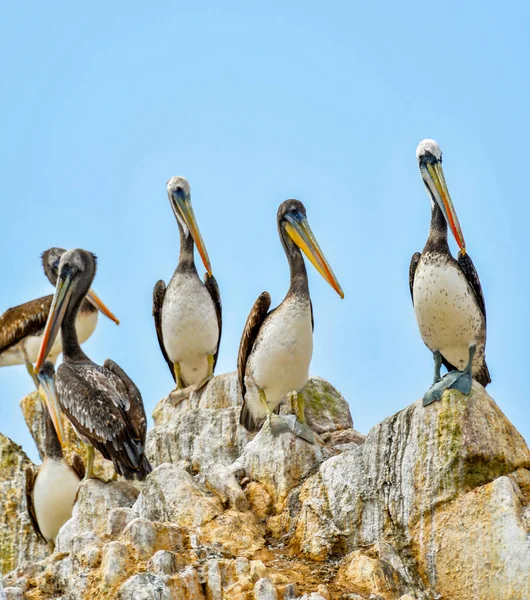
(412, 272)
(470, 273)
(30, 485)
(213, 289)
(250, 333)
(159, 293)
(23, 320)
(97, 403)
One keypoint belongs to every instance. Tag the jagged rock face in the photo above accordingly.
(415, 512)
(17, 540)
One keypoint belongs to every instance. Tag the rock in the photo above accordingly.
(279, 463)
(147, 537)
(204, 437)
(31, 406)
(234, 534)
(12, 593)
(367, 575)
(222, 482)
(410, 463)
(95, 499)
(171, 494)
(144, 586)
(163, 562)
(325, 408)
(114, 564)
(478, 546)
(18, 541)
(204, 428)
(265, 590)
(434, 503)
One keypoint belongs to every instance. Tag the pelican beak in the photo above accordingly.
(297, 227)
(48, 393)
(183, 203)
(61, 299)
(94, 299)
(434, 177)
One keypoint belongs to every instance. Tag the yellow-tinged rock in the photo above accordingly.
(233, 534)
(478, 546)
(368, 575)
(17, 539)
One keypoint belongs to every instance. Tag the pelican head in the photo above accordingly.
(77, 269)
(179, 194)
(50, 262)
(294, 226)
(429, 156)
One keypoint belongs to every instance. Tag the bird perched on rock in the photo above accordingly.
(446, 293)
(51, 489)
(276, 346)
(188, 316)
(102, 402)
(21, 327)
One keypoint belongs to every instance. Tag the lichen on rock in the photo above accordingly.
(411, 512)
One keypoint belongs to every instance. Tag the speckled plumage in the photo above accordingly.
(106, 409)
(102, 402)
(448, 302)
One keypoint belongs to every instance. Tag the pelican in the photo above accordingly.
(21, 327)
(276, 346)
(52, 489)
(187, 314)
(446, 293)
(101, 402)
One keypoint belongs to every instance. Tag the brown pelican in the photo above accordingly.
(52, 489)
(276, 346)
(21, 327)
(446, 293)
(102, 403)
(188, 313)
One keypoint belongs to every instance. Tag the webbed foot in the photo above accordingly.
(277, 424)
(180, 394)
(299, 429)
(455, 380)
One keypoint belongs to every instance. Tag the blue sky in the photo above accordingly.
(102, 103)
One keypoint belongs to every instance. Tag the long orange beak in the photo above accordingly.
(186, 211)
(95, 300)
(61, 299)
(300, 232)
(444, 201)
(48, 393)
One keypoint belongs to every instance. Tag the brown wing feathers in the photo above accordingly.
(250, 333)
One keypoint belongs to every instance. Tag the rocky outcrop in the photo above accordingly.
(435, 503)
(17, 540)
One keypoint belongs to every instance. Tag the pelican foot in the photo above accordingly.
(435, 392)
(460, 380)
(455, 380)
(277, 424)
(202, 384)
(299, 429)
(178, 395)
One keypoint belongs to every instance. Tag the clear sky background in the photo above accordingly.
(254, 103)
